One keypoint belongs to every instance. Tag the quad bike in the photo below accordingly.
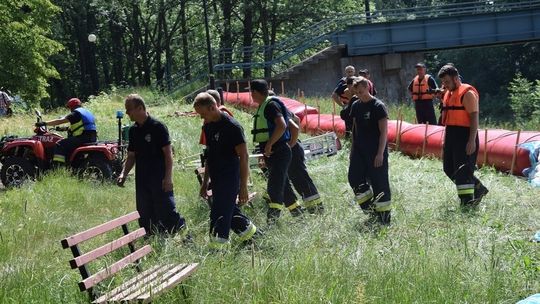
(26, 158)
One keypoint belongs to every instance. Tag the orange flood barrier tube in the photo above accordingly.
(243, 100)
(497, 147)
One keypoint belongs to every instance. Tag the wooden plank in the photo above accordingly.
(114, 268)
(170, 283)
(150, 286)
(107, 248)
(111, 295)
(98, 230)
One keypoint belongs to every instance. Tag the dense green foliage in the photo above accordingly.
(433, 253)
(26, 47)
(525, 100)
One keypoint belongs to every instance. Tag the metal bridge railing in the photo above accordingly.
(313, 38)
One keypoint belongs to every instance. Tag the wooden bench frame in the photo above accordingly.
(141, 288)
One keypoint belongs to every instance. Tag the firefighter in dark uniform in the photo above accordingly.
(227, 165)
(150, 150)
(460, 118)
(298, 174)
(368, 168)
(342, 93)
(422, 89)
(271, 133)
(82, 130)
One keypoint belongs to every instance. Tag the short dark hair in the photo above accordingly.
(204, 99)
(363, 81)
(349, 80)
(136, 100)
(363, 71)
(259, 85)
(448, 69)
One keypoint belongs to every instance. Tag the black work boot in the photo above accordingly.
(367, 207)
(479, 192)
(317, 209)
(467, 202)
(272, 215)
(383, 218)
(298, 211)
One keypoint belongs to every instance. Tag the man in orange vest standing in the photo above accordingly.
(422, 89)
(460, 118)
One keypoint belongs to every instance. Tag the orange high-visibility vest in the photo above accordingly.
(420, 89)
(454, 113)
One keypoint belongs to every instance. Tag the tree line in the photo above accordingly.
(47, 57)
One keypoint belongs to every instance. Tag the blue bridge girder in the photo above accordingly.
(441, 33)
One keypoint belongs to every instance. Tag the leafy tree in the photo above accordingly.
(525, 99)
(27, 46)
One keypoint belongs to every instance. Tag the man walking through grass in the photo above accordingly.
(271, 133)
(368, 167)
(460, 118)
(150, 151)
(227, 166)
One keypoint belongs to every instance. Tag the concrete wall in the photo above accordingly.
(391, 74)
(318, 79)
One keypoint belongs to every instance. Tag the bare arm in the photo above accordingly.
(128, 165)
(56, 122)
(167, 184)
(203, 192)
(337, 100)
(242, 152)
(470, 102)
(383, 127)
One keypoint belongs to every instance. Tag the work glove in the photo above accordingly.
(40, 124)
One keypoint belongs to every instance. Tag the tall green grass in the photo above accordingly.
(433, 252)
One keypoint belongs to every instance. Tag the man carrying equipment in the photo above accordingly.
(271, 133)
(227, 166)
(341, 95)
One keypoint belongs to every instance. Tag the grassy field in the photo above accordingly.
(433, 253)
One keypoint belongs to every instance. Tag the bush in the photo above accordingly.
(525, 100)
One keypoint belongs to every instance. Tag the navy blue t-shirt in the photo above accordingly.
(147, 141)
(221, 139)
(366, 116)
(341, 86)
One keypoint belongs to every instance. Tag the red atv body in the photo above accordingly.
(26, 158)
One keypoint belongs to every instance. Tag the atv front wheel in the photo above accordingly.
(15, 171)
(96, 169)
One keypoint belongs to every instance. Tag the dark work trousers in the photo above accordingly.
(224, 213)
(459, 166)
(66, 146)
(362, 175)
(348, 127)
(278, 165)
(156, 207)
(299, 176)
(425, 113)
